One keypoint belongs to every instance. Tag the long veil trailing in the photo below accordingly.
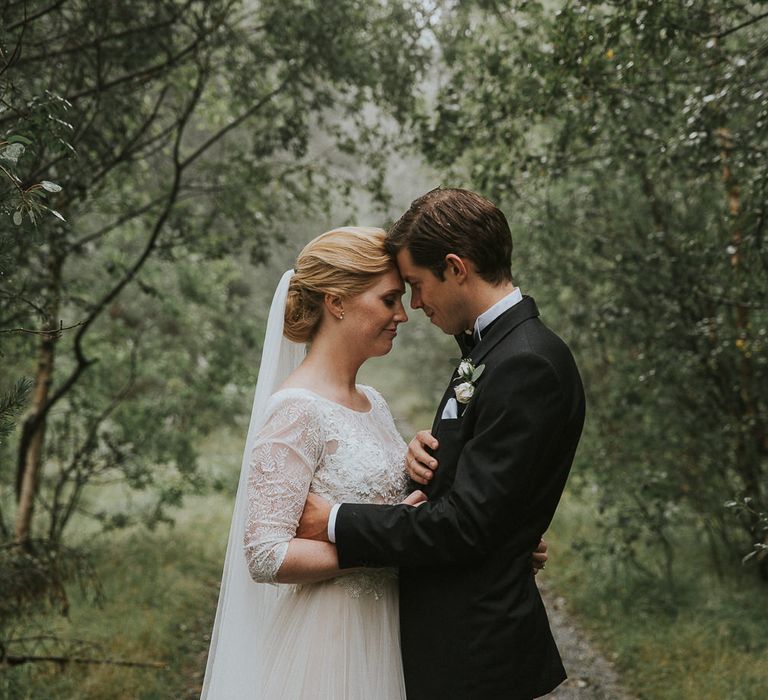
(237, 642)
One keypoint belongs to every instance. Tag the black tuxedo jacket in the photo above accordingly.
(472, 622)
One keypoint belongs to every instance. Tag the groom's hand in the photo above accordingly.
(540, 557)
(418, 462)
(314, 520)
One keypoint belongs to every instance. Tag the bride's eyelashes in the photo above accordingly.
(391, 302)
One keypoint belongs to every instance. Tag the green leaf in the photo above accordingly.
(49, 186)
(478, 371)
(57, 215)
(68, 145)
(19, 139)
(749, 556)
(17, 217)
(12, 152)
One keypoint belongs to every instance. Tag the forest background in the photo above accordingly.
(161, 163)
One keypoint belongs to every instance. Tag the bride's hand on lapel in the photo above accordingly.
(415, 498)
(418, 462)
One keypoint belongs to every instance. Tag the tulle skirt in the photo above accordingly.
(335, 640)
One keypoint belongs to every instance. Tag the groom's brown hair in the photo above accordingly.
(448, 220)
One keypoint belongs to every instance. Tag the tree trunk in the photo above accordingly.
(32, 443)
(746, 456)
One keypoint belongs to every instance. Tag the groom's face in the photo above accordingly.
(440, 300)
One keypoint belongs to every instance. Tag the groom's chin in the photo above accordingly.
(443, 329)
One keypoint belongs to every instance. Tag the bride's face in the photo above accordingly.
(374, 315)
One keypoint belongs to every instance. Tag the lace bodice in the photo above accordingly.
(309, 443)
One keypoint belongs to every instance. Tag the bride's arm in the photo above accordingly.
(284, 458)
(307, 561)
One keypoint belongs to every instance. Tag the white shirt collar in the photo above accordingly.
(491, 314)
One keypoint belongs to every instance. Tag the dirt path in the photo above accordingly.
(590, 675)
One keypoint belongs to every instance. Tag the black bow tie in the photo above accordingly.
(467, 342)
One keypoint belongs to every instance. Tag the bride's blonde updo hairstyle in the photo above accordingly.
(343, 262)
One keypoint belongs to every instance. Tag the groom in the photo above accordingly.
(472, 622)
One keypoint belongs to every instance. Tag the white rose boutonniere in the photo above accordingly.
(470, 374)
(464, 392)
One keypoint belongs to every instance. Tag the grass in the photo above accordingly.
(160, 597)
(708, 641)
(160, 589)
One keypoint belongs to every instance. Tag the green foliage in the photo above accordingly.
(157, 612)
(158, 599)
(11, 404)
(34, 579)
(626, 141)
(192, 125)
(707, 642)
(173, 146)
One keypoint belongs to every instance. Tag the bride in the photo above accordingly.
(332, 635)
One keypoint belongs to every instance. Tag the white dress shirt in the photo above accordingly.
(481, 323)
(490, 315)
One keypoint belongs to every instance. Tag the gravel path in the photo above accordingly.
(590, 675)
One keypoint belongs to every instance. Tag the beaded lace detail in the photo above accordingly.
(311, 443)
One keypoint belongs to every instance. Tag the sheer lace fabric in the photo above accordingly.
(283, 462)
(337, 639)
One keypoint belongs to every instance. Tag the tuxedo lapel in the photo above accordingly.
(503, 326)
(494, 333)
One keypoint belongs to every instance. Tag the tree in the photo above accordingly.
(178, 137)
(628, 140)
(180, 133)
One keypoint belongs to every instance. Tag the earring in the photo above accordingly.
(341, 316)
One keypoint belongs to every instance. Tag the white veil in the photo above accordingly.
(237, 642)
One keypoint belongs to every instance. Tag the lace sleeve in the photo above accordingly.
(283, 462)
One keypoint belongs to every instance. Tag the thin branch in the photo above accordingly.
(79, 48)
(17, 48)
(58, 524)
(117, 223)
(41, 13)
(232, 125)
(184, 164)
(741, 26)
(82, 361)
(179, 167)
(52, 333)
(144, 74)
(125, 151)
(29, 302)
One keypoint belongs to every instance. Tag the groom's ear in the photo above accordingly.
(456, 267)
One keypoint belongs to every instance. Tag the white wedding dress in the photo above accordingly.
(338, 639)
